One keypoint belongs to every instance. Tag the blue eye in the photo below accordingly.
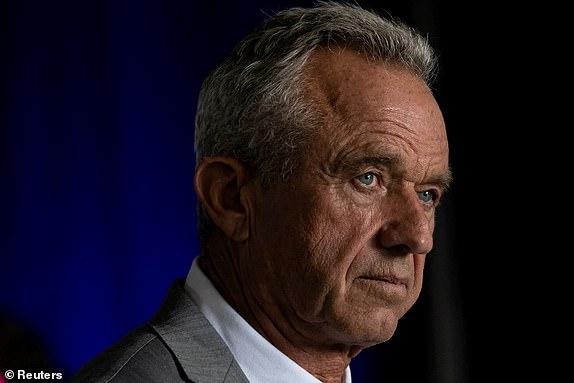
(427, 196)
(366, 178)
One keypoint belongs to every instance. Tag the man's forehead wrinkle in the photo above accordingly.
(358, 144)
(372, 153)
(353, 163)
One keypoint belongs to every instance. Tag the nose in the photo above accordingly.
(408, 225)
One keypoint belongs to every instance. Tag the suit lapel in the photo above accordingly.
(203, 355)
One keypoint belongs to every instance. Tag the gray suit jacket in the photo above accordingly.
(177, 345)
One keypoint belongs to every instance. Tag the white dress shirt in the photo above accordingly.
(260, 360)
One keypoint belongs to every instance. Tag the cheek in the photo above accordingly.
(288, 237)
(321, 252)
(309, 241)
(341, 230)
(333, 245)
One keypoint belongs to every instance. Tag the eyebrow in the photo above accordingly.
(354, 163)
(443, 180)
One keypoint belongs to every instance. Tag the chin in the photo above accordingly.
(381, 334)
(374, 328)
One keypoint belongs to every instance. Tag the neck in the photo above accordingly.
(326, 361)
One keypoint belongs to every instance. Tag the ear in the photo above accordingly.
(219, 184)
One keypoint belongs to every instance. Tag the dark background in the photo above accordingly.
(97, 209)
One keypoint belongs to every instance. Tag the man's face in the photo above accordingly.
(339, 251)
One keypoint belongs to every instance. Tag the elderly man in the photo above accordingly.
(321, 158)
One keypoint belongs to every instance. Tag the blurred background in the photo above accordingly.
(97, 209)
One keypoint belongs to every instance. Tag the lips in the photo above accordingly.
(387, 287)
(386, 278)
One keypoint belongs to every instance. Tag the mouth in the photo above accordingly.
(386, 278)
(387, 286)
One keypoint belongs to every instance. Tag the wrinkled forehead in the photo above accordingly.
(346, 86)
(371, 106)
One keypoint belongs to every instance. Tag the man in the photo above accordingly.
(321, 158)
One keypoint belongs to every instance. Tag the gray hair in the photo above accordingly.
(252, 106)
